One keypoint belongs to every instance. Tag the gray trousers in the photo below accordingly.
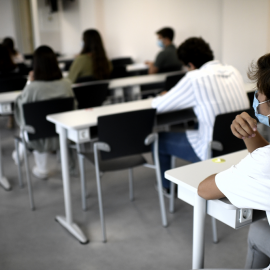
(258, 256)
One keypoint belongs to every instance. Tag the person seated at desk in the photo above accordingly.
(17, 57)
(92, 61)
(247, 184)
(7, 67)
(210, 88)
(46, 83)
(167, 59)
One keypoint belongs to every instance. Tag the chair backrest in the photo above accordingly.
(250, 98)
(35, 115)
(116, 62)
(12, 83)
(172, 80)
(125, 132)
(85, 79)
(90, 95)
(222, 133)
(119, 72)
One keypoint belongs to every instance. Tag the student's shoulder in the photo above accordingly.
(261, 154)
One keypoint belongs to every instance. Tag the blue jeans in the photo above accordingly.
(174, 144)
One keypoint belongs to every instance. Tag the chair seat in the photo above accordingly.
(117, 163)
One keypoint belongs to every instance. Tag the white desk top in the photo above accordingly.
(190, 176)
(88, 117)
(136, 67)
(143, 79)
(8, 97)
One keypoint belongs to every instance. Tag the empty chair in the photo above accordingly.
(119, 67)
(37, 127)
(172, 80)
(122, 138)
(121, 61)
(12, 83)
(90, 95)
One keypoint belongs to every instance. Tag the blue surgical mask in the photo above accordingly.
(262, 118)
(160, 43)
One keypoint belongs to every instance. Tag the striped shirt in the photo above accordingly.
(210, 90)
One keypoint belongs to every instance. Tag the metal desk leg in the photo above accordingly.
(67, 221)
(3, 180)
(199, 214)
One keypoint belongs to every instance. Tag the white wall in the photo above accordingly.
(130, 26)
(7, 20)
(245, 32)
(237, 30)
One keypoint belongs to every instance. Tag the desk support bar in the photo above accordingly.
(199, 214)
(67, 221)
(3, 180)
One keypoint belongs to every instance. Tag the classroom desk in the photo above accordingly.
(6, 100)
(188, 179)
(136, 67)
(76, 126)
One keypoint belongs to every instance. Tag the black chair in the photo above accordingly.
(122, 138)
(224, 142)
(122, 61)
(90, 94)
(85, 79)
(119, 67)
(251, 97)
(37, 127)
(172, 80)
(12, 83)
(67, 63)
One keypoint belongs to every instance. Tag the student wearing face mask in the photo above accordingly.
(167, 59)
(247, 184)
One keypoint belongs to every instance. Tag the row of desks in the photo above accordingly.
(75, 126)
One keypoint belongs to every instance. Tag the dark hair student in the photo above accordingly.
(46, 65)
(93, 45)
(6, 64)
(9, 43)
(196, 51)
(166, 32)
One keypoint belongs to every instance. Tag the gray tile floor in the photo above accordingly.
(136, 240)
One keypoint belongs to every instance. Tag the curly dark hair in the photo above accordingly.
(93, 44)
(196, 51)
(259, 72)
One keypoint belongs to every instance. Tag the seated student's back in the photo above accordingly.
(46, 83)
(92, 61)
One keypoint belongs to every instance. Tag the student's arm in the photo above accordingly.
(152, 69)
(74, 70)
(209, 190)
(245, 127)
(181, 96)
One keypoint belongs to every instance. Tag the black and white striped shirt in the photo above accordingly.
(211, 90)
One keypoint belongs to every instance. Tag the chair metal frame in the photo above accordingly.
(101, 146)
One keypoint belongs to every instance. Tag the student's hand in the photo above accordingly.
(163, 93)
(148, 63)
(31, 76)
(244, 126)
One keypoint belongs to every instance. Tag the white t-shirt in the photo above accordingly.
(247, 184)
